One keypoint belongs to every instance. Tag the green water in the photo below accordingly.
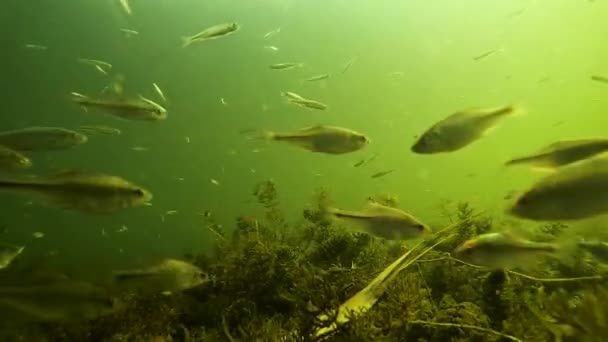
(414, 65)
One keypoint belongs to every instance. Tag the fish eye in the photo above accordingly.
(139, 192)
(419, 226)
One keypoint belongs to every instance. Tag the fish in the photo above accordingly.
(484, 55)
(598, 78)
(285, 66)
(36, 47)
(100, 65)
(317, 78)
(599, 249)
(501, 250)
(381, 221)
(129, 33)
(126, 7)
(382, 173)
(8, 253)
(459, 130)
(291, 96)
(99, 129)
(140, 109)
(37, 235)
(572, 192)
(74, 190)
(214, 181)
(212, 32)
(271, 47)
(41, 139)
(11, 159)
(348, 65)
(307, 103)
(272, 33)
(359, 163)
(563, 153)
(159, 92)
(170, 275)
(322, 139)
(59, 300)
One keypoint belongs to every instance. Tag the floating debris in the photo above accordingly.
(214, 182)
(223, 101)
(126, 6)
(8, 253)
(122, 229)
(38, 235)
(139, 148)
(170, 212)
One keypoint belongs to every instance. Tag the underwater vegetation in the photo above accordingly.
(271, 280)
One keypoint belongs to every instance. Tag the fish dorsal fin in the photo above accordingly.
(558, 145)
(312, 128)
(374, 208)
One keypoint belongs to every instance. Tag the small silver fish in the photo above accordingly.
(212, 32)
(307, 103)
(129, 33)
(285, 66)
(348, 65)
(159, 92)
(271, 47)
(35, 47)
(99, 129)
(291, 96)
(317, 78)
(272, 33)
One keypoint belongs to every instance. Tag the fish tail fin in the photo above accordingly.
(520, 161)
(186, 41)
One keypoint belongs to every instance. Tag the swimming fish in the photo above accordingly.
(41, 139)
(317, 78)
(11, 159)
(601, 79)
(563, 153)
(323, 139)
(212, 32)
(272, 33)
(141, 108)
(159, 92)
(99, 129)
(501, 250)
(307, 103)
(292, 96)
(381, 221)
(170, 275)
(348, 65)
(285, 66)
(459, 130)
(383, 173)
(89, 193)
(573, 192)
(54, 301)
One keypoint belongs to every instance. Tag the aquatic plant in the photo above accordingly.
(273, 281)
